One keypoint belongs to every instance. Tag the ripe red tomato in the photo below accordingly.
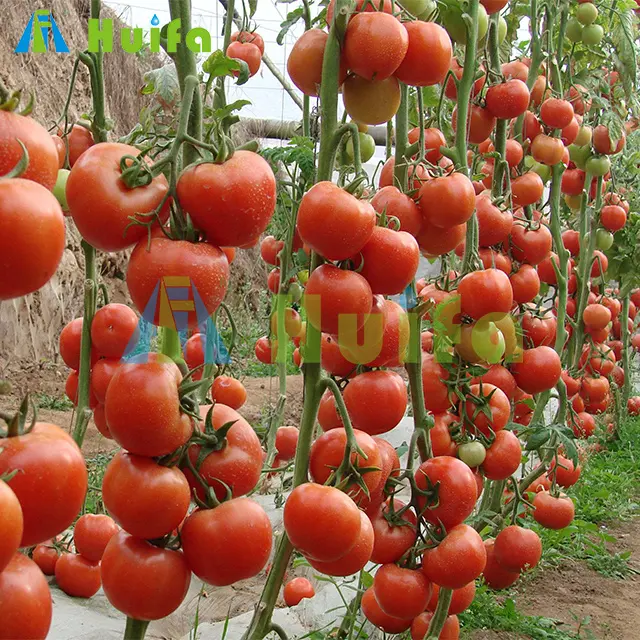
(287, 442)
(236, 465)
(494, 224)
(396, 204)
(102, 205)
(270, 248)
(46, 556)
(525, 284)
(229, 543)
(517, 549)
(436, 241)
(433, 140)
(393, 536)
(457, 492)
(527, 189)
(355, 559)
(487, 397)
(91, 535)
(552, 512)
(530, 244)
(142, 407)
(493, 6)
(375, 44)
(334, 223)
(114, 328)
(461, 599)
(101, 373)
(447, 201)
(43, 154)
(503, 456)
(566, 473)
(33, 236)
(389, 467)
(508, 100)
(481, 123)
(376, 401)
(401, 593)
(134, 486)
(322, 522)
(51, 483)
(389, 260)
(377, 617)
(436, 392)
(459, 559)
(500, 377)
(141, 580)
(296, 590)
(547, 150)
(495, 575)
(602, 142)
(11, 524)
(485, 292)
(420, 627)
(247, 52)
(233, 202)
(385, 5)
(69, 343)
(556, 113)
(228, 391)
(77, 576)
(25, 601)
(332, 293)
(203, 268)
(451, 90)
(371, 101)
(428, 56)
(538, 371)
(596, 316)
(79, 140)
(328, 451)
(249, 36)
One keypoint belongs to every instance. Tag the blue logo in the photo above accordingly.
(36, 34)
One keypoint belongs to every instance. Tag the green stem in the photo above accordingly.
(625, 337)
(440, 615)
(500, 137)
(135, 629)
(401, 168)
(170, 343)
(388, 143)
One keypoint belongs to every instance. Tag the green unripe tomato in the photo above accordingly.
(303, 276)
(488, 342)
(529, 162)
(367, 147)
(502, 30)
(598, 166)
(472, 453)
(604, 239)
(543, 170)
(574, 30)
(579, 155)
(592, 35)
(295, 291)
(584, 136)
(429, 12)
(455, 25)
(60, 189)
(415, 7)
(587, 13)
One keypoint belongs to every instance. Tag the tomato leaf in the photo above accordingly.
(538, 439)
(219, 65)
(230, 108)
(163, 82)
(288, 22)
(367, 579)
(253, 6)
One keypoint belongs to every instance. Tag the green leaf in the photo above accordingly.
(289, 21)
(163, 82)
(253, 5)
(219, 65)
(538, 439)
(367, 579)
(230, 108)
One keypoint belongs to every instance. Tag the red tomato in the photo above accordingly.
(573, 385)
(69, 343)
(487, 397)
(428, 56)
(420, 625)
(134, 486)
(459, 559)
(485, 292)
(229, 543)
(531, 245)
(141, 580)
(396, 204)
(517, 549)
(596, 316)
(503, 456)
(393, 536)
(386, 6)
(287, 442)
(322, 522)
(51, 483)
(556, 113)
(457, 492)
(101, 373)
(527, 189)
(436, 392)
(551, 512)
(203, 271)
(231, 202)
(77, 576)
(495, 576)
(375, 44)
(334, 223)
(433, 140)
(377, 617)
(401, 593)
(451, 90)
(331, 293)
(79, 140)
(235, 465)
(355, 559)
(296, 590)
(603, 143)
(25, 601)
(11, 524)
(249, 36)
(525, 284)
(436, 241)
(102, 205)
(538, 371)
(142, 407)
(447, 201)
(247, 52)
(114, 328)
(228, 391)
(33, 236)
(91, 535)
(547, 150)
(566, 473)
(46, 556)
(461, 599)
(43, 154)
(270, 248)
(376, 401)
(494, 225)
(481, 123)
(508, 100)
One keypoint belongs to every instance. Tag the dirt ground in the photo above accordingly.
(570, 594)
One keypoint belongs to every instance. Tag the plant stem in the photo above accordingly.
(500, 138)
(440, 615)
(625, 337)
(401, 169)
(135, 629)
